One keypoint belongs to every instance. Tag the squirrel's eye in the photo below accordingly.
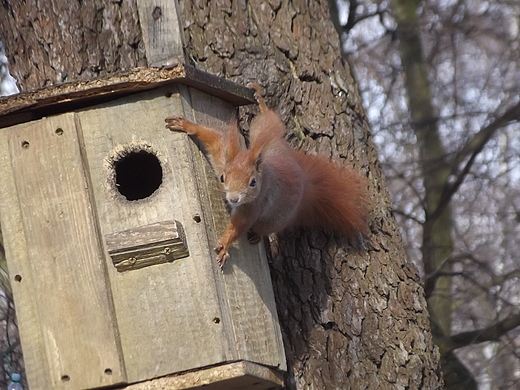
(222, 178)
(253, 182)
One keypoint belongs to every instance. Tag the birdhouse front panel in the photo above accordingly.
(168, 313)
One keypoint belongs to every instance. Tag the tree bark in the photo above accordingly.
(54, 41)
(352, 316)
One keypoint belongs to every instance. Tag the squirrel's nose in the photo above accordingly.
(233, 198)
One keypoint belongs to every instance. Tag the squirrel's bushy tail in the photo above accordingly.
(334, 198)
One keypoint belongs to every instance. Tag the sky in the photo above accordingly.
(7, 82)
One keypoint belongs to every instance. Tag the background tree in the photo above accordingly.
(440, 80)
(351, 318)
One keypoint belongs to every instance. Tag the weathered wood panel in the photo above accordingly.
(233, 376)
(245, 280)
(63, 273)
(19, 267)
(168, 315)
(162, 34)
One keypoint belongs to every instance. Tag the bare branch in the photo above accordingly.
(353, 20)
(407, 215)
(471, 150)
(475, 145)
(351, 16)
(491, 333)
(431, 278)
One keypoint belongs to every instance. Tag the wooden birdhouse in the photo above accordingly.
(109, 220)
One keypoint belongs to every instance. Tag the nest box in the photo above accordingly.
(109, 220)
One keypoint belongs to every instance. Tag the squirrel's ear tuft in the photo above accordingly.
(258, 162)
(232, 142)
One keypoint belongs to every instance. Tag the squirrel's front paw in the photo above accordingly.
(222, 255)
(175, 123)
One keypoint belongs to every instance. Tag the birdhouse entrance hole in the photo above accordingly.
(137, 172)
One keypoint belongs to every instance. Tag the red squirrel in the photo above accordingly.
(271, 186)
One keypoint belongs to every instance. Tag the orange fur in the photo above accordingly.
(271, 186)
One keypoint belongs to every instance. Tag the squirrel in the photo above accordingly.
(271, 186)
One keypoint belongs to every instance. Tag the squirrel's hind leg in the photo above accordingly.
(253, 237)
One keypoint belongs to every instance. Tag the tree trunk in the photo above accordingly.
(437, 241)
(437, 245)
(351, 317)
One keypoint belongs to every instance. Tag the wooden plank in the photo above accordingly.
(232, 376)
(168, 314)
(67, 268)
(64, 97)
(144, 246)
(19, 266)
(162, 33)
(210, 196)
(246, 281)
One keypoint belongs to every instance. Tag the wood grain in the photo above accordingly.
(162, 33)
(20, 274)
(144, 246)
(168, 315)
(246, 281)
(67, 268)
(233, 376)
